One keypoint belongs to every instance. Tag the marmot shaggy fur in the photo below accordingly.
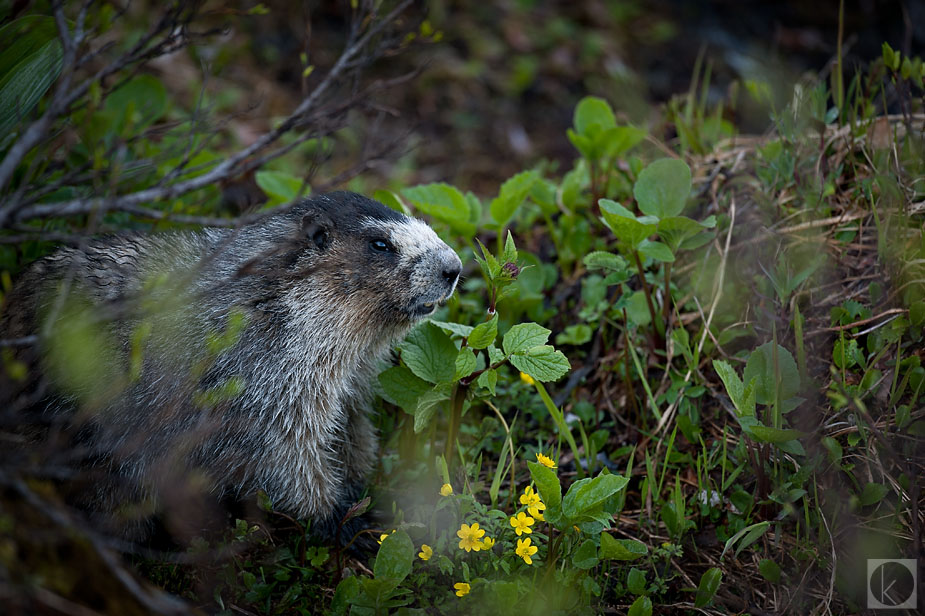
(242, 357)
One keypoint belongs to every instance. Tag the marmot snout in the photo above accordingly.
(247, 354)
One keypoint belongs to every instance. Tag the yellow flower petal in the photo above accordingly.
(547, 462)
(446, 489)
(526, 378)
(462, 589)
(426, 552)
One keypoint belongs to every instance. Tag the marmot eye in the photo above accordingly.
(381, 246)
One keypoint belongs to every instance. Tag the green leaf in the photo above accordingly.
(642, 606)
(628, 229)
(663, 187)
(585, 556)
(637, 310)
(619, 140)
(465, 363)
(512, 194)
(457, 329)
(766, 434)
(600, 259)
(428, 404)
(770, 570)
(281, 187)
(544, 363)
(524, 336)
(395, 557)
(636, 581)
(391, 201)
(575, 334)
(709, 584)
(621, 549)
(443, 202)
(675, 230)
(138, 103)
(30, 62)
(401, 387)
(591, 112)
(430, 354)
(547, 483)
(656, 250)
(760, 365)
(747, 535)
(587, 494)
(347, 590)
(484, 333)
(488, 380)
(872, 493)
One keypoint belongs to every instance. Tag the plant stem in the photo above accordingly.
(666, 303)
(459, 396)
(645, 290)
(563, 427)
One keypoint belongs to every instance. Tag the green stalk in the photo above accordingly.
(645, 383)
(560, 422)
(459, 396)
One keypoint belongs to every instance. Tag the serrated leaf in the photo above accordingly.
(585, 556)
(656, 250)
(457, 329)
(401, 387)
(428, 404)
(465, 363)
(30, 62)
(430, 354)
(663, 187)
(512, 194)
(488, 380)
(600, 259)
(544, 363)
(524, 336)
(547, 483)
(760, 365)
(709, 584)
(484, 333)
(621, 549)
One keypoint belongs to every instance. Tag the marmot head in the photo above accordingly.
(367, 260)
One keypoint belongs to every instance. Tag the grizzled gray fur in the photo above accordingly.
(320, 291)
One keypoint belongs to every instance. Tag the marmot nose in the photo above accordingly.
(451, 273)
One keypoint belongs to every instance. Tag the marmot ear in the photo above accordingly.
(316, 228)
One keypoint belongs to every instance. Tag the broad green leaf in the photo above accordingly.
(395, 557)
(619, 140)
(401, 387)
(709, 584)
(428, 404)
(675, 230)
(766, 434)
(488, 380)
(457, 329)
(621, 549)
(430, 354)
(600, 259)
(347, 590)
(30, 62)
(770, 570)
(656, 250)
(544, 363)
(730, 378)
(138, 103)
(746, 537)
(524, 336)
(575, 334)
(663, 187)
(465, 363)
(512, 194)
(872, 493)
(760, 365)
(586, 494)
(547, 484)
(673, 519)
(279, 186)
(391, 201)
(443, 202)
(642, 606)
(585, 556)
(628, 229)
(637, 310)
(593, 111)
(636, 582)
(484, 333)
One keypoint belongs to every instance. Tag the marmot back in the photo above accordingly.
(239, 358)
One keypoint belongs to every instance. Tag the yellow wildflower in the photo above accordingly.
(426, 552)
(526, 378)
(547, 462)
(522, 523)
(462, 589)
(383, 536)
(525, 550)
(446, 489)
(532, 500)
(469, 537)
(487, 543)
